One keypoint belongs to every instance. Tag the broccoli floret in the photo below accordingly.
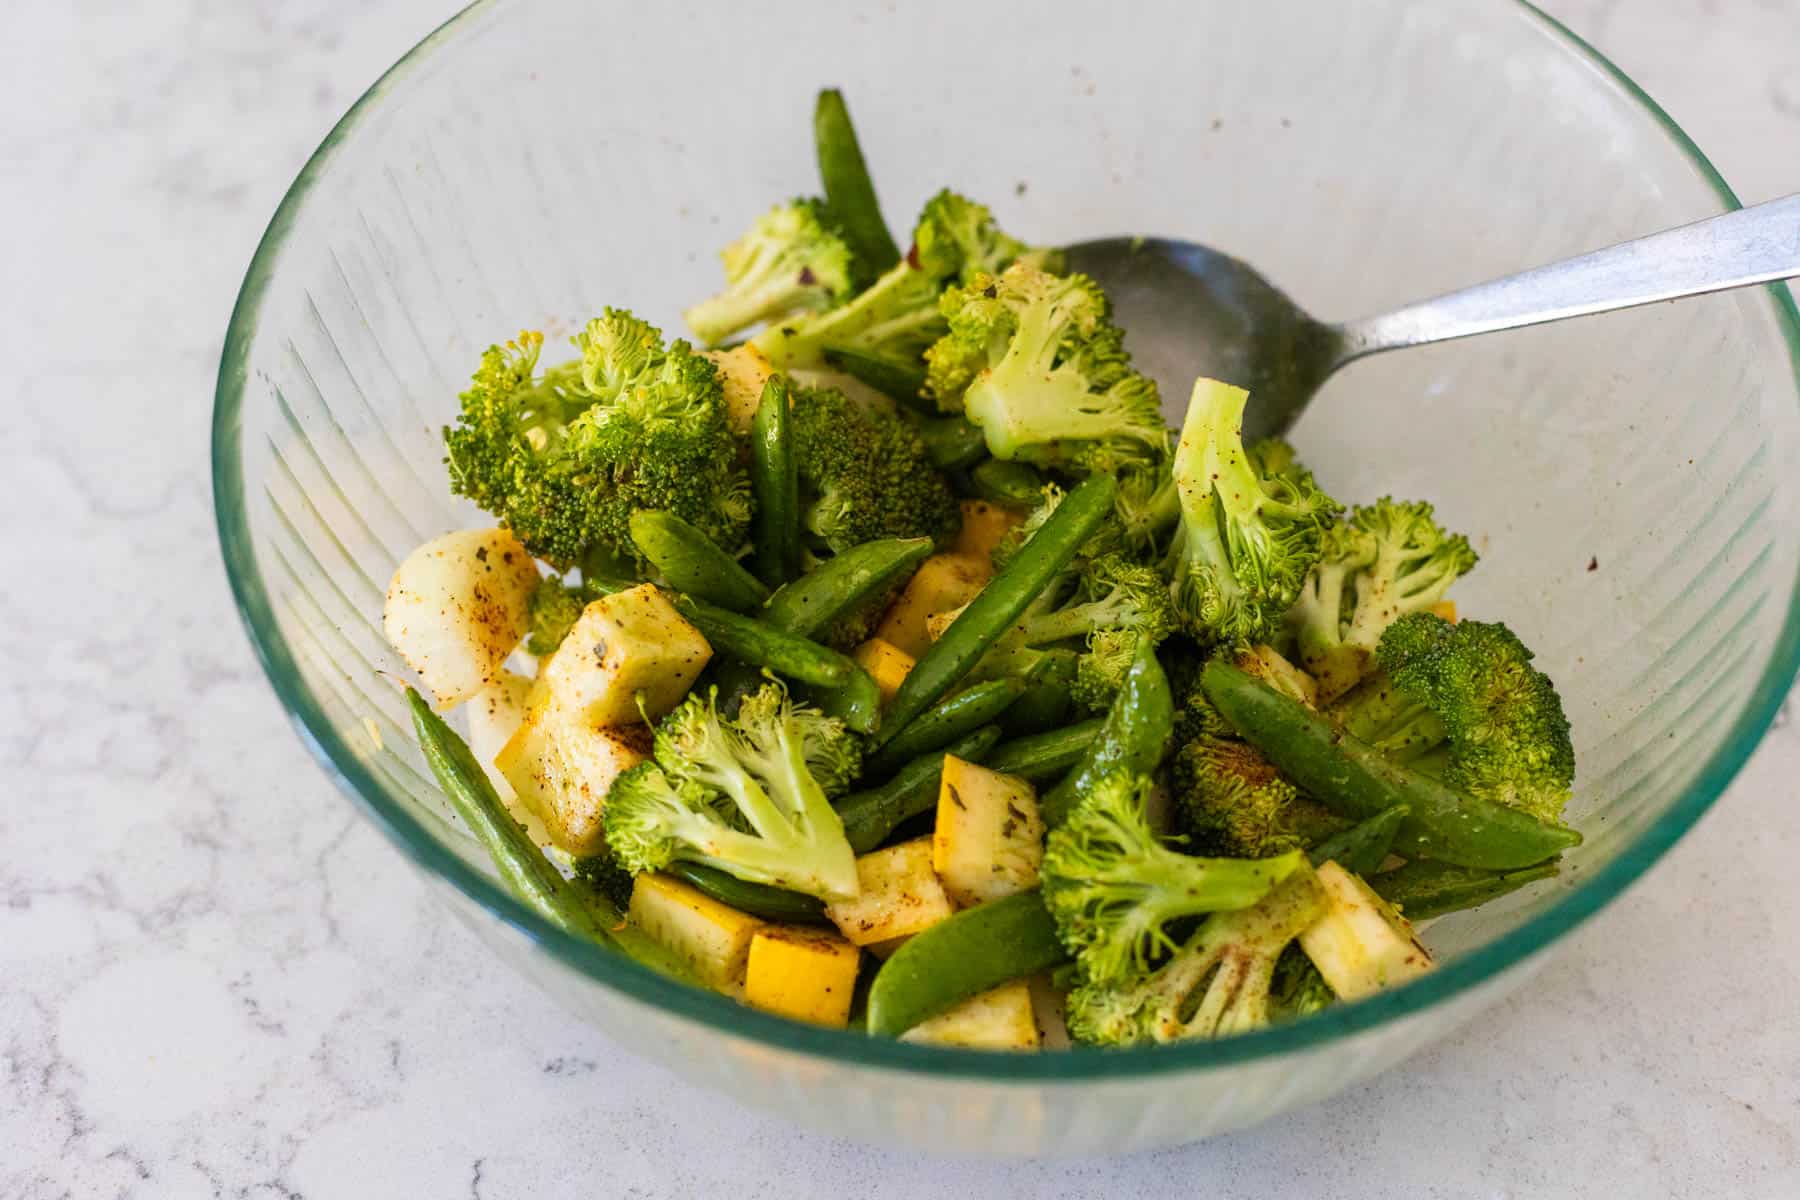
(1043, 371)
(864, 474)
(1218, 983)
(1506, 738)
(1146, 506)
(554, 610)
(1246, 540)
(1114, 888)
(1234, 802)
(1298, 989)
(1391, 559)
(566, 458)
(793, 260)
(603, 872)
(749, 795)
(896, 318)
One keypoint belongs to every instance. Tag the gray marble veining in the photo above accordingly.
(217, 980)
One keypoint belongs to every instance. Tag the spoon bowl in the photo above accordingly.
(1194, 311)
(1191, 310)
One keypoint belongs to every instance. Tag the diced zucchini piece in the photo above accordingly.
(626, 649)
(805, 974)
(457, 607)
(886, 663)
(983, 526)
(1049, 1005)
(561, 768)
(998, 1019)
(742, 372)
(495, 714)
(1361, 945)
(989, 839)
(943, 581)
(898, 895)
(712, 938)
(1273, 668)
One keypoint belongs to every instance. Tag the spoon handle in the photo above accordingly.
(1751, 245)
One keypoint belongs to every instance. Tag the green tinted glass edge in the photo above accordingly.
(733, 1020)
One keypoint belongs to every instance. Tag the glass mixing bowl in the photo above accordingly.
(1629, 479)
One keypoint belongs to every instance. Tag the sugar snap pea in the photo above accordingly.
(689, 560)
(526, 872)
(900, 382)
(1132, 737)
(843, 583)
(775, 482)
(952, 442)
(1355, 780)
(944, 722)
(1012, 484)
(1431, 889)
(994, 610)
(961, 956)
(849, 193)
(870, 816)
(1362, 848)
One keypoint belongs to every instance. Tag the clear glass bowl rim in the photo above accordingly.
(727, 1017)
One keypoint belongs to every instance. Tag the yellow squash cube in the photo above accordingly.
(742, 372)
(983, 527)
(886, 663)
(899, 895)
(942, 582)
(561, 768)
(1000, 1018)
(989, 839)
(626, 649)
(1445, 609)
(805, 974)
(712, 938)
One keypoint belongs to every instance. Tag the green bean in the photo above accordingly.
(951, 442)
(1355, 780)
(1133, 734)
(1045, 706)
(758, 899)
(763, 645)
(1431, 889)
(949, 719)
(775, 482)
(898, 382)
(1362, 848)
(1044, 757)
(1012, 484)
(843, 583)
(870, 816)
(689, 560)
(962, 956)
(848, 190)
(522, 866)
(998, 605)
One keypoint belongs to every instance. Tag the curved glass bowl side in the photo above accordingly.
(328, 722)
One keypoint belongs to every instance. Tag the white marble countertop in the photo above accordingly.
(217, 980)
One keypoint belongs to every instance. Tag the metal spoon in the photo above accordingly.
(1190, 310)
